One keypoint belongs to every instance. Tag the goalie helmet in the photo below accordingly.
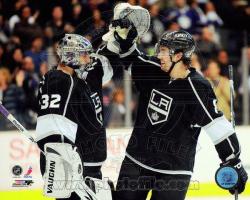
(177, 41)
(70, 49)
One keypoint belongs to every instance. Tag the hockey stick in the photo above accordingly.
(231, 80)
(16, 123)
(231, 95)
(87, 193)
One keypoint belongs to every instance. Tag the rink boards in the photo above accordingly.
(17, 150)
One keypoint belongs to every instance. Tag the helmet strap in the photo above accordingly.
(173, 64)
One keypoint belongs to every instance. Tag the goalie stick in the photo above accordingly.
(85, 194)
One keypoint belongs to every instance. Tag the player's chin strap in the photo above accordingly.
(173, 64)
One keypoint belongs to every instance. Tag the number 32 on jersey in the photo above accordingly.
(50, 101)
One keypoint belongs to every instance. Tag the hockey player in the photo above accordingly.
(69, 125)
(175, 102)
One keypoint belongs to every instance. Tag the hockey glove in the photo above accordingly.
(123, 23)
(126, 44)
(242, 174)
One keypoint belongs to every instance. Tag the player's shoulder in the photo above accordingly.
(99, 59)
(147, 59)
(56, 77)
(197, 80)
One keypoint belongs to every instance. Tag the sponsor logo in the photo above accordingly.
(17, 170)
(158, 107)
(22, 183)
(28, 173)
(51, 176)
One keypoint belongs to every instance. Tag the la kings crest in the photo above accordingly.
(98, 107)
(158, 107)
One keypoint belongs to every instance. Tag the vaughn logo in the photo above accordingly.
(158, 107)
(98, 107)
(51, 176)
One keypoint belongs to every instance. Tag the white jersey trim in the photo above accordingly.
(54, 124)
(129, 51)
(174, 172)
(219, 129)
(70, 91)
(199, 99)
(94, 164)
(149, 61)
(106, 66)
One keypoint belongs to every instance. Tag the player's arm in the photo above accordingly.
(105, 67)
(218, 128)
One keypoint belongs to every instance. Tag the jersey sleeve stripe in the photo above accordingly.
(230, 144)
(219, 129)
(149, 61)
(70, 91)
(174, 172)
(199, 99)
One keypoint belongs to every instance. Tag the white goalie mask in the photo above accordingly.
(70, 49)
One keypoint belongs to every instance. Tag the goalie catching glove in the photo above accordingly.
(127, 45)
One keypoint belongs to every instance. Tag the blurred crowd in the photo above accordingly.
(30, 30)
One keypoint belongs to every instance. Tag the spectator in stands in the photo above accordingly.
(118, 109)
(206, 45)
(24, 29)
(213, 20)
(13, 96)
(25, 13)
(13, 43)
(156, 27)
(188, 18)
(52, 56)
(97, 29)
(57, 23)
(77, 15)
(241, 91)
(221, 87)
(15, 59)
(37, 53)
(48, 36)
(30, 87)
(4, 31)
(2, 55)
(223, 61)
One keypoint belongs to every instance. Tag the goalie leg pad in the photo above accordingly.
(63, 169)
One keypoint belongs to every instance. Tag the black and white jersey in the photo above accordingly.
(170, 116)
(69, 108)
(99, 74)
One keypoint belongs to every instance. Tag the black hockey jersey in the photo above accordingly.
(96, 76)
(169, 117)
(68, 107)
